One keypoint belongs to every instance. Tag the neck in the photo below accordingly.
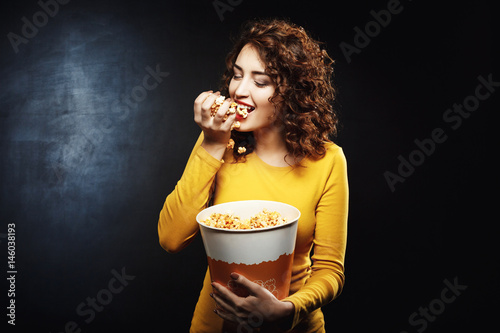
(270, 146)
(269, 140)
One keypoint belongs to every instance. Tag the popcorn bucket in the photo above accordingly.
(262, 255)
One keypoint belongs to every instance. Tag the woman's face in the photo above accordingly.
(251, 86)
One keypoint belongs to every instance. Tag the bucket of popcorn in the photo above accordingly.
(254, 238)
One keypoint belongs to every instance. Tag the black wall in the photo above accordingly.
(91, 145)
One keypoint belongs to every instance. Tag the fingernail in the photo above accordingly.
(212, 295)
(215, 310)
(234, 276)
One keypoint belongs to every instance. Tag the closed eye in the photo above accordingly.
(238, 74)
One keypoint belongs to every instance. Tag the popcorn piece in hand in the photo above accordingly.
(232, 108)
(217, 104)
(230, 111)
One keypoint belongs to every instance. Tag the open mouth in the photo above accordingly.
(248, 108)
(242, 110)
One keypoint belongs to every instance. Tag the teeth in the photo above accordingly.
(245, 107)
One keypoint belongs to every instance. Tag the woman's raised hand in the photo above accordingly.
(216, 130)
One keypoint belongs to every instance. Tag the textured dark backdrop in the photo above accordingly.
(91, 145)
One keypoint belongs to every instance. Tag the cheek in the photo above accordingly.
(263, 99)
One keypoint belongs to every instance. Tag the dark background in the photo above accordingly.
(84, 176)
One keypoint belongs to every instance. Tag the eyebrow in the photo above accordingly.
(253, 72)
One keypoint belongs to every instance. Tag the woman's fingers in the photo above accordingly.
(231, 307)
(252, 287)
(224, 298)
(259, 307)
(218, 121)
(202, 106)
(242, 310)
(220, 116)
(216, 126)
(203, 96)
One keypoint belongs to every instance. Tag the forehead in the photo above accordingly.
(249, 59)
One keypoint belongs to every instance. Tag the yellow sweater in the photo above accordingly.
(319, 189)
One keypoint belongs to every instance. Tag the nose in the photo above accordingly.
(242, 89)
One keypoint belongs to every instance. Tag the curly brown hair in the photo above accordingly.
(302, 73)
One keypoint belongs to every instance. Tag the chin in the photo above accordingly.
(244, 128)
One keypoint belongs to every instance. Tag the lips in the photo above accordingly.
(243, 110)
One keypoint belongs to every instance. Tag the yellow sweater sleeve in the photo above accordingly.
(177, 221)
(330, 238)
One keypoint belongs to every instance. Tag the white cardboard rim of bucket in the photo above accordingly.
(214, 207)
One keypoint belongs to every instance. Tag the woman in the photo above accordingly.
(284, 79)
